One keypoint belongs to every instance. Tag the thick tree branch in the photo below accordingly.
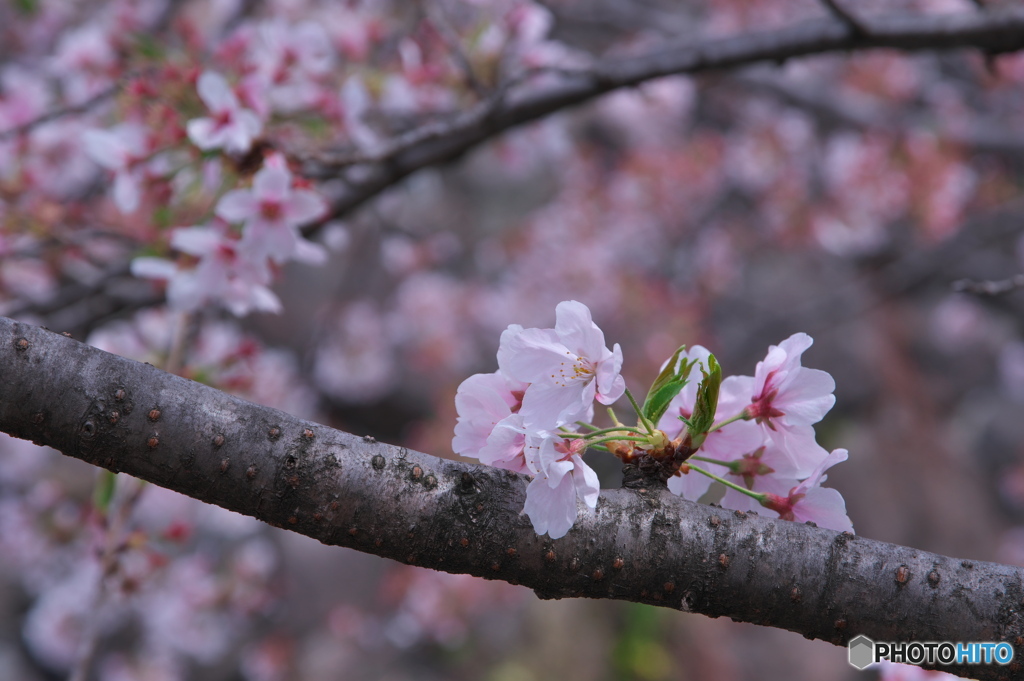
(993, 32)
(645, 546)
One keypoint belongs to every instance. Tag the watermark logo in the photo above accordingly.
(863, 652)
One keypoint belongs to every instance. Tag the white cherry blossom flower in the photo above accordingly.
(489, 427)
(568, 367)
(225, 274)
(121, 149)
(229, 127)
(561, 478)
(272, 211)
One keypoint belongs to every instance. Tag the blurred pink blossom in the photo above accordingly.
(229, 126)
(272, 211)
(225, 274)
(121, 149)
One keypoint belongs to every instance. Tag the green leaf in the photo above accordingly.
(27, 7)
(667, 385)
(703, 417)
(104, 490)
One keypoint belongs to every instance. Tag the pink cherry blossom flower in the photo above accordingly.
(356, 102)
(486, 429)
(272, 211)
(766, 469)
(506, 445)
(121, 149)
(561, 478)
(291, 59)
(809, 502)
(226, 274)
(786, 399)
(567, 367)
(230, 127)
(489, 426)
(84, 61)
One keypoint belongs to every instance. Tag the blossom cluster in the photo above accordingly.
(236, 271)
(754, 434)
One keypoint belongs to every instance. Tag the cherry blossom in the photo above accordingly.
(808, 501)
(568, 367)
(786, 399)
(84, 61)
(229, 127)
(272, 211)
(225, 274)
(561, 478)
(291, 60)
(760, 470)
(489, 426)
(122, 150)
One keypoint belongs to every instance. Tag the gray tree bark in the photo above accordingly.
(642, 545)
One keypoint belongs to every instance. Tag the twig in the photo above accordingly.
(112, 547)
(61, 112)
(855, 25)
(989, 287)
(444, 29)
(441, 142)
(179, 343)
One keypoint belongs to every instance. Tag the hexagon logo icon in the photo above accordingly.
(862, 652)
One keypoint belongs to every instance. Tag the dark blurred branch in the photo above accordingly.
(55, 114)
(855, 26)
(834, 109)
(645, 545)
(989, 287)
(367, 175)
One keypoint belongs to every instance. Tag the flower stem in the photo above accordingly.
(605, 431)
(750, 493)
(602, 440)
(639, 413)
(704, 459)
(721, 424)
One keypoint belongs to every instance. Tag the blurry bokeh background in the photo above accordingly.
(840, 195)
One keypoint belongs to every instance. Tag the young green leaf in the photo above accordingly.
(103, 492)
(704, 410)
(667, 385)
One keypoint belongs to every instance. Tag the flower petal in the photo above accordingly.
(577, 330)
(552, 510)
(237, 205)
(807, 397)
(588, 487)
(153, 268)
(215, 92)
(546, 407)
